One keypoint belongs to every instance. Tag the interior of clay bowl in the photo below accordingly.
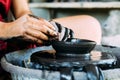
(73, 45)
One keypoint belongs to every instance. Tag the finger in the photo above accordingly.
(36, 20)
(49, 25)
(48, 31)
(41, 21)
(43, 28)
(32, 39)
(36, 34)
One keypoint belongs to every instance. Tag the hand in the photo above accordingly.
(29, 28)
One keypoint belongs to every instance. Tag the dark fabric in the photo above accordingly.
(5, 76)
(16, 44)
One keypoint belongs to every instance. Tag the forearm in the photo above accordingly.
(2, 28)
(8, 30)
(20, 8)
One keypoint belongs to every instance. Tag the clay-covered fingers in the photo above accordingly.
(41, 21)
(36, 33)
(49, 25)
(39, 30)
(33, 39)
(42, 27)
(48, 31)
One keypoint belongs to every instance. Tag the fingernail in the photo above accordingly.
(54, 28)
(48, 32)
(55, 33)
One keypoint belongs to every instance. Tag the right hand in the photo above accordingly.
(29, 28)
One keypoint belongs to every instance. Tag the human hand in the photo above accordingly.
(29, 28)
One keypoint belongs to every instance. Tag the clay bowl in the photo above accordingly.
(74, 46)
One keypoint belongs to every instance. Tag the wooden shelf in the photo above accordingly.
(77, 5)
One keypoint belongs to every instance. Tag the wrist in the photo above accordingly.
(3, 30)
(2, 26)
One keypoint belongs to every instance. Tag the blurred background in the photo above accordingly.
(68, 0)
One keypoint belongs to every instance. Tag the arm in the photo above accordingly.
(20, 8)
